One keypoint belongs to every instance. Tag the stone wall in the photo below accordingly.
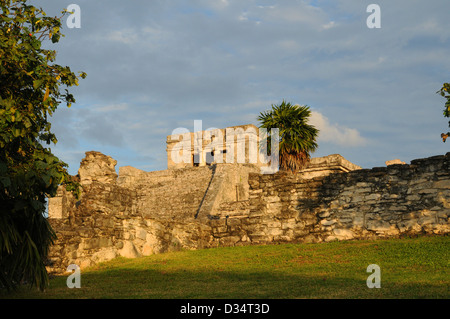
(362, 204)
(141, 213)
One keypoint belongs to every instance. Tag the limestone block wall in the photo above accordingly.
(171, 194)
(362, 204)
(141, 213)
(107, 222)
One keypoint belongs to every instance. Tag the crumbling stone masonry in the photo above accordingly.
(137, 213)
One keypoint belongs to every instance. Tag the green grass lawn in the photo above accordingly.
(410, 268)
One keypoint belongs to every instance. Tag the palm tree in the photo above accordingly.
(297, 137)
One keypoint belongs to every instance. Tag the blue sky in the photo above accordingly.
(154, 66)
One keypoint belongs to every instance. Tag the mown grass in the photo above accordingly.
(410, 268)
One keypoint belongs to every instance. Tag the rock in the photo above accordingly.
(324, 214)
(129, 250)
(326, 222)
(394, 162)
(378, 225)
(343, 233)
(97, 167)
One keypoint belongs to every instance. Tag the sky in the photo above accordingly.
(155, 66)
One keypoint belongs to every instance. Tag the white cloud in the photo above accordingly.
(329, 25)
(215, 4)
(127, 36)
(335, 133)
(297, 12)
(243, 17)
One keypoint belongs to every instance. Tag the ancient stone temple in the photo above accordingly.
(136, 213)
(203, 148)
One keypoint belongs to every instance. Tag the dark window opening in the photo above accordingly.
(196, 160)
(209, 158)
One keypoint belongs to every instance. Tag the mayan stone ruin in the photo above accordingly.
(136, 213)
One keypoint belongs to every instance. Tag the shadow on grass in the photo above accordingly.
(153, 284)
(410, 268)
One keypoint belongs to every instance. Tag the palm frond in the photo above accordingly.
(297, 137)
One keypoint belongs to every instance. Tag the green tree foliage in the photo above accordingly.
(297, 137)
(445, 92)
(29, 172)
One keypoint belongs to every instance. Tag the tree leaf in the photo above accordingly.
(37, 83)
(47, 92)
